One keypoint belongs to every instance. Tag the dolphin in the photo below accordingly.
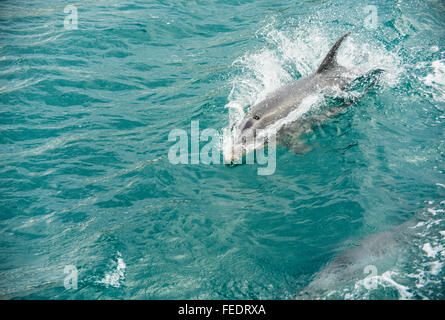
(378, 252)
(291, 98)
(372, 256)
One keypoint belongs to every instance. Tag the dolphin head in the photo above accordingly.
(243, 136)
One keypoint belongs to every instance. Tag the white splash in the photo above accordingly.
(436, 80)
(288, 55)
(384, 280)
(115, 277)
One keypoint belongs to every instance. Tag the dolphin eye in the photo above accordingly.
(256, 117)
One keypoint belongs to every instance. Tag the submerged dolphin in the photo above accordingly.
(376, 254)
(287, 99)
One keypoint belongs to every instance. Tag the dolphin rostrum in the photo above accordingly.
(292, 98)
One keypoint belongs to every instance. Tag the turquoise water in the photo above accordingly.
(85, 178)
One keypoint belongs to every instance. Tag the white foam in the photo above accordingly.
(435, 211)
(429, 250)
(384, 280)
(115, 277)
(436, 80)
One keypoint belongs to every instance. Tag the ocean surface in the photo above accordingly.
(91, 207)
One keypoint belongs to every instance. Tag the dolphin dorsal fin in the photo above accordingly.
(329, 60)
